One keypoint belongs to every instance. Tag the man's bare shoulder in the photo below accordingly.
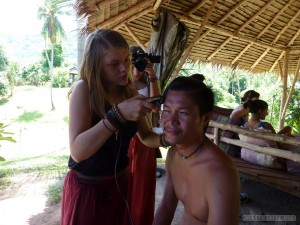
(216, 160)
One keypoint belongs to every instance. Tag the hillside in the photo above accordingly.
(27, 49)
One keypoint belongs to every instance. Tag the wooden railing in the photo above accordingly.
(266, 136)
(280, 179)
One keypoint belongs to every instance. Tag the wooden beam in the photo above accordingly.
(224, 18)
(219, 48)
(278, 36)
(230, 34)
(133, 35)
(241, 28)
(104, 3)
(284, 88)
(195, 39)
(274, 19)
(240, 54)
(124, 14)
(133, 17)
(233, 9)
(254, 16)
(157, 5)
(292, 90)
(262, 135)
(260, 58)
(276, 62)
(266, 28)
(196, 7)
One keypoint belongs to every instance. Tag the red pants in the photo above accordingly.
(141, 182)
(94, 202)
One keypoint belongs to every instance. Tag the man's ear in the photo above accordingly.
(207, 118)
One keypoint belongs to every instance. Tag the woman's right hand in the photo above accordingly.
(136, 107)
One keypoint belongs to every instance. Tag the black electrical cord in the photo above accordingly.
(118, 187)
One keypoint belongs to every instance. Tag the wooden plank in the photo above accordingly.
(281, 180)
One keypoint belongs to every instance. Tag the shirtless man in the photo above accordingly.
(199, 173)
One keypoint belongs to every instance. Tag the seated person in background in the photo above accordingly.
(241, 113)
(199, 173)
(259, 111)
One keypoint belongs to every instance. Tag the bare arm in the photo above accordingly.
(84, 139)
(154, 83)
(268, 126)
(166, 209)
(223, 199)
(147, 136)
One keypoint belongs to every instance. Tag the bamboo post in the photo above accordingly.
(284, 88)
(216, 135)
(292, 90)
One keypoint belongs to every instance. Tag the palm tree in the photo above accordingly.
(52, 30)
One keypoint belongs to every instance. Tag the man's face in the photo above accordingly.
(181, 120)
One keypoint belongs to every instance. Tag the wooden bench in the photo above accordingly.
(275, 178)
(280, 179)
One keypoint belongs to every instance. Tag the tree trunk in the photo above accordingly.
(51, 76)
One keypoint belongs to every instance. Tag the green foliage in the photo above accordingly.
(29, 116)
(58, 57)
(33, 75)
(3, 89)
(3, 59)
(5, 136)
(54, 192)
(11, 74)
(293, 114)
(52, 165)
(61, 79)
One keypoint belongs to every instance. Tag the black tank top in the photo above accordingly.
(113, 153)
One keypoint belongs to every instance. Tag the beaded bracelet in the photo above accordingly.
(117, 111)
(113, 119)
(163, 141)
(152, 79)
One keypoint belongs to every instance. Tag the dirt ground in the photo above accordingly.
(29, 205)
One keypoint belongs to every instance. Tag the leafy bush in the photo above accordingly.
(33, 75)
(3, 89)
(61, 79)
(54, 192)
(4, 137)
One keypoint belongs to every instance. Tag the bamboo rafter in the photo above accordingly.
(195, 39)
(135, 37)
(240, 28)
(105, 3)
(123, 14)
(196, 7)
(133, 17)
(260, 34)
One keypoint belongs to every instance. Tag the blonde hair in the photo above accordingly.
(96, 45)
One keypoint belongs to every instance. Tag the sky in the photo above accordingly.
(18, 20)
(20, 17)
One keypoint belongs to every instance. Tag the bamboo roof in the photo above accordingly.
(255, 35)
